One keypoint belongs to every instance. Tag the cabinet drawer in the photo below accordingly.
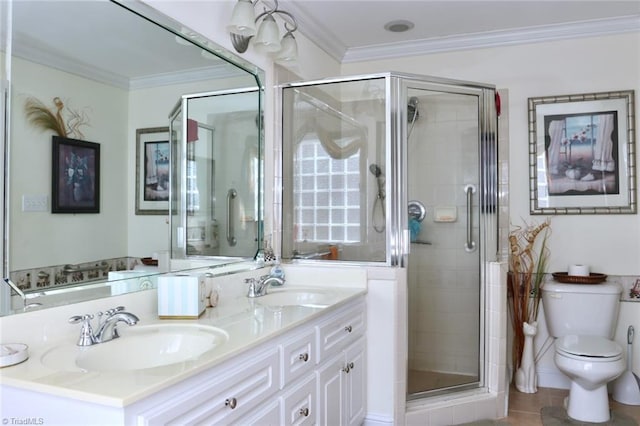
(265, 415)
(340, 331)
(223, 399)
(298, 356)
(299, 403)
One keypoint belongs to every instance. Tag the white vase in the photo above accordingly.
(526, 377)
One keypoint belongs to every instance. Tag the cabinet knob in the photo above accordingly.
(304, 357)
(347, 368)
(231, 403)
(348, 329)
(304, 412)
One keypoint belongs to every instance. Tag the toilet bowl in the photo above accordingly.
(582, 320)
(590, 362)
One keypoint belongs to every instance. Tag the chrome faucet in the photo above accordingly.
(107, 325)
(259, 287)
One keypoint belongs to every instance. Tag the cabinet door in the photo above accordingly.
(298, 356)
(356, 383)
(299, 404)
(340, 331)
(331, 392)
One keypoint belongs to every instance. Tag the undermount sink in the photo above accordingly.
(312, 298)
(139, 347)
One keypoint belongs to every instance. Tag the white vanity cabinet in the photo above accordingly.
(342, 387)
(311, 373)
(342, 374)
(219, 396)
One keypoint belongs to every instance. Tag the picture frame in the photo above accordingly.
(582, 154)
(152, 171)
(75, 182)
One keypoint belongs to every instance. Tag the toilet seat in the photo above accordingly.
(593, 348)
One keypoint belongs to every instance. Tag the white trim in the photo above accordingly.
(544, 33)
(377, 420)
(30, 52)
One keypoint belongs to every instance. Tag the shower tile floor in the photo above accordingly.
(422, 381)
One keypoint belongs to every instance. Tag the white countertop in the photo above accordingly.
(245, 325)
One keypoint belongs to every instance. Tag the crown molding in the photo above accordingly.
(219, 71)
(28, 50)
(544, 33)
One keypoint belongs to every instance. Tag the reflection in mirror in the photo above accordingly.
(334, 205)
(216, 202)
(112, 71)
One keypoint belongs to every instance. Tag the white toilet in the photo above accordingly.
(582, 319)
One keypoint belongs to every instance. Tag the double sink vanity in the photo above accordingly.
(295, 355)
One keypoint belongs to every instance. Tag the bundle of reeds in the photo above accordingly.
(527, 265)
(40, 116)
(45, 118)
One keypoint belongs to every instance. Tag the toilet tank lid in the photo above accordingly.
(603, 288)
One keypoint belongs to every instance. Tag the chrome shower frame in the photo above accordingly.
(396, 114)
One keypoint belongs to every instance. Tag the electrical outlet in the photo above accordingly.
(35, 203)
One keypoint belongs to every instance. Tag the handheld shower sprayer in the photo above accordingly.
(412, 109)
(376, 171)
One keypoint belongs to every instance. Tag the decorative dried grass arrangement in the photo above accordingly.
(527, 264)
(39, 115)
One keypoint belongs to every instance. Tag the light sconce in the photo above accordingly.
(265, 36)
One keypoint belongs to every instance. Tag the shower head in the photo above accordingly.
(412, 109)
(375, 170)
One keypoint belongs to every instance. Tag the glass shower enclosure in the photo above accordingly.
(216, 156)
(400, 170)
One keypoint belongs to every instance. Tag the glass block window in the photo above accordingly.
(326, 195)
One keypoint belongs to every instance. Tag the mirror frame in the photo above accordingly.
(148, 13)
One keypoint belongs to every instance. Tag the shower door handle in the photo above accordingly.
(231, 195)
(470, 245)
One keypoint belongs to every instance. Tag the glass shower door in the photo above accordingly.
(444, 282)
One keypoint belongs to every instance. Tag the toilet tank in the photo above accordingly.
(581, 309)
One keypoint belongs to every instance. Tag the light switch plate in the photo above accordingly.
(35, 203)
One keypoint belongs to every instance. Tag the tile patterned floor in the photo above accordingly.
(524, 409)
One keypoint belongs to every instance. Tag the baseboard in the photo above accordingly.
(552, 379)
(377, 420)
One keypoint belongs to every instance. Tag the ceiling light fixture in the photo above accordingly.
(399, 26)
(265, 37)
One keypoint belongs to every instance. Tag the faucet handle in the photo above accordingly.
(110, 312)
(86, 333)
(80, 318)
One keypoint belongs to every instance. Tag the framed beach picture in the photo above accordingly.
(582, 154)
(75, 181)
(152, 171)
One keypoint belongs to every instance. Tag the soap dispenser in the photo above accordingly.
(277, 270)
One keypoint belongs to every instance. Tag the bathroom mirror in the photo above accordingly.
(103, 72)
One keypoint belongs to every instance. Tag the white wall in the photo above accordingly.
(42, 238)
(608, 243)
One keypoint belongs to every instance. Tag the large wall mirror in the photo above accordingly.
(101, 80)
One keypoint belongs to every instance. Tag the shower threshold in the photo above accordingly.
(421, 384)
